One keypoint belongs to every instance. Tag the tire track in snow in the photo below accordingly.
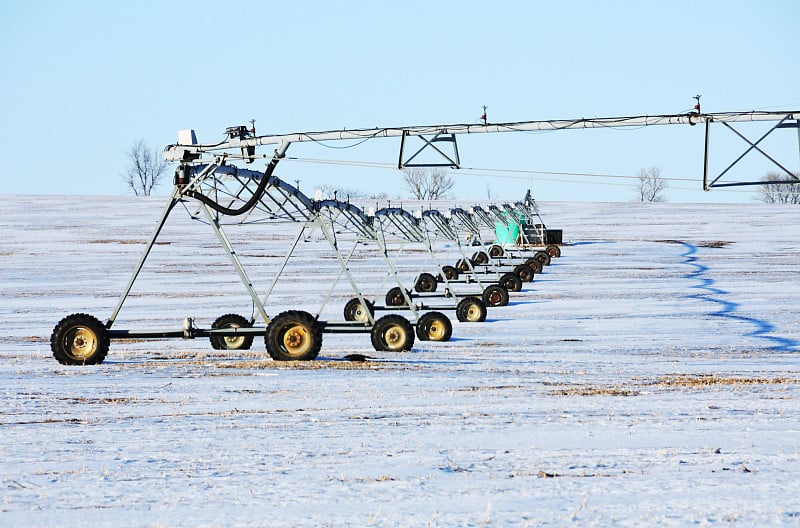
(727, 308)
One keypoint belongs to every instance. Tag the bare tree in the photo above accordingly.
(428, 184)
(145, 170)
(780, 193)
(650, 186)
(331, 192)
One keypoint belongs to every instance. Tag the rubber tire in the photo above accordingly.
(79, 339)
(293, 324)
(425, 283)
(392, 333)
(553, 251)
(524, 272)
(496, 251)
(354, 310)
(495, 295)
(234, 342)
(511, 282)
(463, 266)
(394, 297)
(434, 326)
(448, 272)
(535, 265)
(480, 258)
(542, 257)
(471, 310)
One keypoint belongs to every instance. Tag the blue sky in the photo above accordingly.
(83, 80)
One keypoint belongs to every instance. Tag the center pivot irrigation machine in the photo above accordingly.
(515, 249)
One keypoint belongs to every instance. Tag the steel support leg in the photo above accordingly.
(173, 200)
(285, 262)
(332, 241)
(226, 243)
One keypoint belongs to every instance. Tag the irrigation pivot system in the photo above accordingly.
(224, 194)
(441, 139)
(234, 196)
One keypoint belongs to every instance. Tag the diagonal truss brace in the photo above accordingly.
(786, 122)
(442, 137)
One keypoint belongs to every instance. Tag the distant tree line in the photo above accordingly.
(333, 192)
(779, 193)
(421, 183)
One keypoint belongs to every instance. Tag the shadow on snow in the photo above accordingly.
(727, 309)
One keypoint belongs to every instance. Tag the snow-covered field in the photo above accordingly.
(649, 376)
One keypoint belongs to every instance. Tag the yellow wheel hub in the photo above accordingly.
(297, 340)
(473, 314)
(395, 337)
(359, 314)
(81, 342)
(233, 342)
(436, 331)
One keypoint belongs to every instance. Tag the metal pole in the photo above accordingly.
(214, 221)
(285, 261)
(798, 143)
(705, 158)
(173, 200)
(380, 240)
(343, 269)
(332, 241)
(177, 152)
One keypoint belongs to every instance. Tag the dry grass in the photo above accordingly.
(704, 244)
(671, 381)
(268, 364)
(594, 391)
(124, 242)
(714, 244)
(490, 388)
(706, 380)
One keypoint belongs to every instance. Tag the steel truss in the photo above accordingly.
(332, 218)
(786, 121)
(440, 140)
(400, 228)
(227, 195)
(346, 218)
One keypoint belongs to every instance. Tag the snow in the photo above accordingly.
(648, 377)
